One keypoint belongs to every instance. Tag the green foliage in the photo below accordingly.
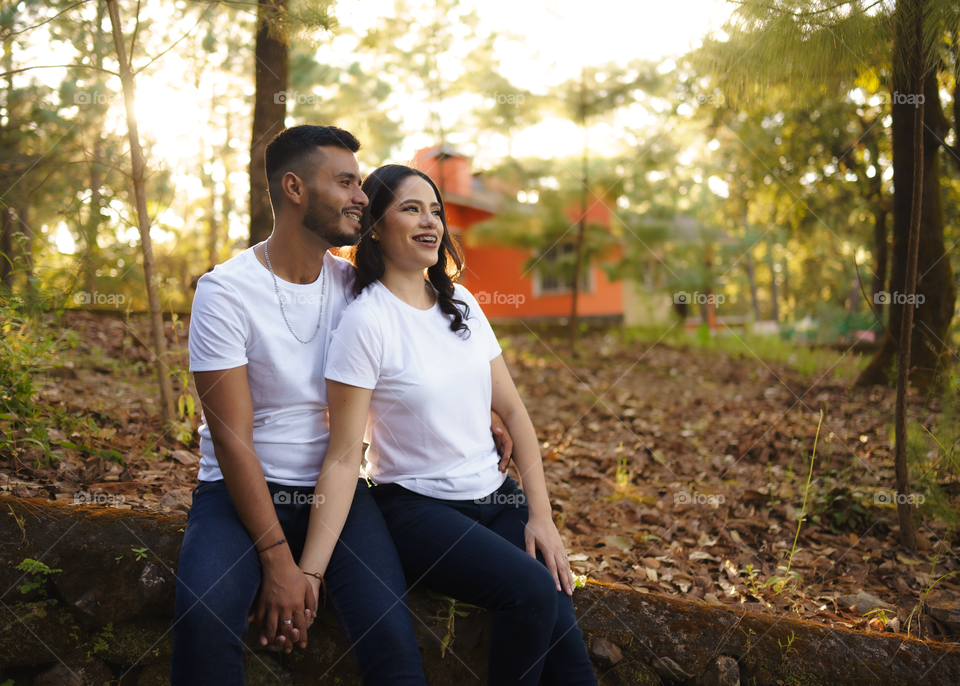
(38, 571)
(446, 617)
(100, 642)
(27, 348)
(935, 464)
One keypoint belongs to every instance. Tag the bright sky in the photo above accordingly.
(556, 39)
(551, 41)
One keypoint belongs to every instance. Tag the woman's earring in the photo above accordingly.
(374, 236)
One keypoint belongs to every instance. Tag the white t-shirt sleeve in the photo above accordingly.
(477, 321)
(218, 327)
(356, 349)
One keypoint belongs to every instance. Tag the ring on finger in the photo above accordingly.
(287, 622)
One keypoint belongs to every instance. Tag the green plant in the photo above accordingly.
(623, 484)
(806, 493)
(26, 349)
(21, 523)
(100, 642)
(752, 581)
(785, 648)
(141, 553)
(879, 617)
(39, 571)
(446, 618)
(182, 430)
(931, 582)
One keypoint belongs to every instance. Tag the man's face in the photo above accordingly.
(334, 200)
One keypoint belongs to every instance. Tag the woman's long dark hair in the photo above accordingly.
(381, 190)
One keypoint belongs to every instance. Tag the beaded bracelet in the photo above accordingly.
(272, 545)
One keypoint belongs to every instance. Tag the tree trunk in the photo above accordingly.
(269, 112)
(6, 247)
(23, 213)
(929, 354)
(143, 221)
(752, 277)
(213, 226)
(6, 211)
(92, 228)
(774, 296)
(880, 250)
(95, 216)
(582, 224)
(908, 535)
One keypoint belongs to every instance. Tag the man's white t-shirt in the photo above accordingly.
(429, 425)
(236, 321)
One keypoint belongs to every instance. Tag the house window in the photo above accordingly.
(554, 273)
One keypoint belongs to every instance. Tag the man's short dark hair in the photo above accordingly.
(295, 150)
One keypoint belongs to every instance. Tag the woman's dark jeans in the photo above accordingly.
(219, 573)
(474, 551)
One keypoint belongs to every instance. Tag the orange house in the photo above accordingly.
(499, 277)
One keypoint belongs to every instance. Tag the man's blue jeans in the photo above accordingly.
(474, 551)
(219, 573)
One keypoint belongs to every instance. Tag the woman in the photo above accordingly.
(419, 358)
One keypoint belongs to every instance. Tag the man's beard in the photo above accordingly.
(325, 221)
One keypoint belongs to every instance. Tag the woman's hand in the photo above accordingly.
(314, 584)
(541, 534)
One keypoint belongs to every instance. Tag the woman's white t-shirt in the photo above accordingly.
(236, 321)
(429, 425)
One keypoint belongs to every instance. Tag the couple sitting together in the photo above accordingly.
(299, 358)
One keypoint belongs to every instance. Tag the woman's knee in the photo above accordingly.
(535, 595)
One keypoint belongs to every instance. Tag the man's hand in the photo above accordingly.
(502, 439)
(284, 594)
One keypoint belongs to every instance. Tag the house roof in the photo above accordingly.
(441, 151)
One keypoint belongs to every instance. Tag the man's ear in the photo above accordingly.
(293, 188)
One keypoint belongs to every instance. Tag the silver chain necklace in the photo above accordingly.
(276, 287)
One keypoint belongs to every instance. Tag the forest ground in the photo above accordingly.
(673, 468)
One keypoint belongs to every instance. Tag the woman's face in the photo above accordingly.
(410, 231)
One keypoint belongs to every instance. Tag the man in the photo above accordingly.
(258, 337)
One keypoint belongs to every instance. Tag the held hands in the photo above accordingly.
(541, 534)
(285, 594)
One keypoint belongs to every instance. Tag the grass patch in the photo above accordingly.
(810, 362)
